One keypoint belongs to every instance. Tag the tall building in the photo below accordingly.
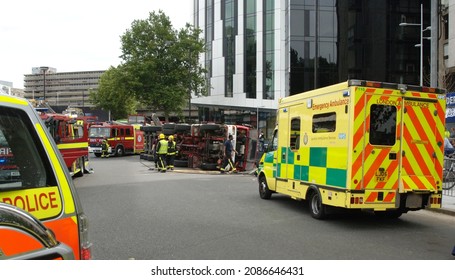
(447, 45)
(259, 51)
(61, 88)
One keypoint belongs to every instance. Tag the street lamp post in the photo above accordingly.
(404, 24)
(44, 70)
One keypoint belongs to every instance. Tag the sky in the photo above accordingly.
(72, 35)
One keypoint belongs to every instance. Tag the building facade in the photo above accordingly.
(61, 89)
(259, 51)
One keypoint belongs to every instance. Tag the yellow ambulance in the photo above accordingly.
(364, 145)
(35, 181)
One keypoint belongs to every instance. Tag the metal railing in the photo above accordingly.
(448, 184)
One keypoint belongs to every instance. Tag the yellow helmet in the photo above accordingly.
(171, 138)
(161, 136)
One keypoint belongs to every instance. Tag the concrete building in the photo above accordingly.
(61, 89)
(447, 46)
(259, 51)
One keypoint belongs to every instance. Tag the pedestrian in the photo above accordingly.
(448, 148)
(104, 148)
(171, 152)
(161, 151)
(241, 144)
(228, 150)
(155, 155)
(261, 141)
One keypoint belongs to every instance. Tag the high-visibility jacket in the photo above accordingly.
(171, 149)
(162, 147)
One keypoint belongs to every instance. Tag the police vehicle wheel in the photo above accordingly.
(318, 210)
(264, 191)
(97, 154)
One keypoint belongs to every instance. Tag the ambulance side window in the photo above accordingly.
(23, 163)
(273, 146)
(324, 122)
(294, 141)
(383, 125)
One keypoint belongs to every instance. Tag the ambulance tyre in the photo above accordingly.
(264, 191)
(318, 210)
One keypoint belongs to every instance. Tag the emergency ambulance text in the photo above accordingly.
(331, 103)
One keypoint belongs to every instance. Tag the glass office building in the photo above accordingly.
(259, 51)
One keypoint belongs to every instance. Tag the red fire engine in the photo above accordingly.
(123, 139)
(71, 136)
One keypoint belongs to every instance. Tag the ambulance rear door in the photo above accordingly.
(382, 145)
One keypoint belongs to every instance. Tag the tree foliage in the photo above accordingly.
(163, 62)
(114, 94)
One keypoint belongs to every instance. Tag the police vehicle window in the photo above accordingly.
(23, 164)
(383, 119)
(294, 141)
(323, 123)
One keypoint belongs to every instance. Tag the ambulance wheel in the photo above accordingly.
(264, 191)
(318, 210)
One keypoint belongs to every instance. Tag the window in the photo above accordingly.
(323, 123)
(23, 164)
(383, 125)
(294, 141)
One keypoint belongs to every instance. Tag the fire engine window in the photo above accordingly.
(23, 164)
(324, 122)
(383, 124)
(294, 141)
(128, 132)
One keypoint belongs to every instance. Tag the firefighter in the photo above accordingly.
(161, 151)
(105, 148)
(228, 152)
(171, 152)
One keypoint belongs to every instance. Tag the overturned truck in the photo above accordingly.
(201, 145)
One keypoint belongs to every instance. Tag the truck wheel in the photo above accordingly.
(180, 163)
(209, 166)
(264, 191)
(318, 210)
(81, 164)
(119, 152)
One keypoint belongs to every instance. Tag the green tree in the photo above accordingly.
(162, 63)
(114, 93)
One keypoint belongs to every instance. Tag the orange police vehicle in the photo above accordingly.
(34, 179)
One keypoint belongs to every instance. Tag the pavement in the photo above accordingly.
(448, 205)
